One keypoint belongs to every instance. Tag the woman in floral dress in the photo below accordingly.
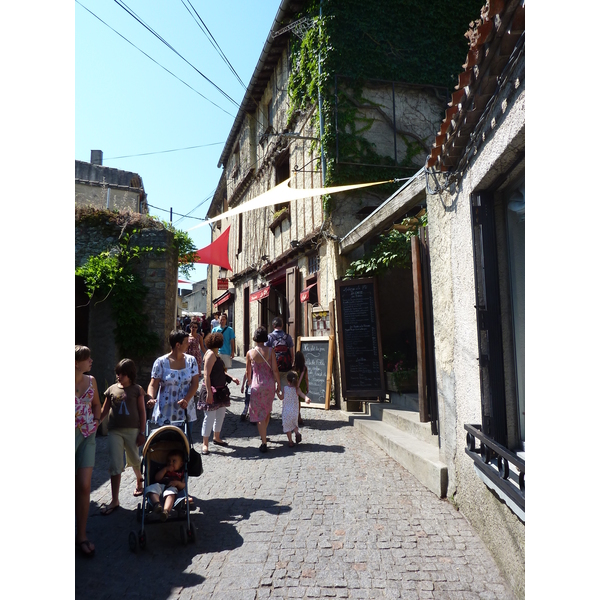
(87, 419)
(196, 344)
(262, 371)
(174, 381)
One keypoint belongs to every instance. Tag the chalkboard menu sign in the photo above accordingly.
(360, 343)
(317, 355)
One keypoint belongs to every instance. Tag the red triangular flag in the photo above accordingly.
(216, 253)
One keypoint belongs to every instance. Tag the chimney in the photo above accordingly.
(96, 157)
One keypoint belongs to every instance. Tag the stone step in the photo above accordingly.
(405, 401)
(405, 420)
(419, 458)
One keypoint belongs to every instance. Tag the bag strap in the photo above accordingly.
(264, 359)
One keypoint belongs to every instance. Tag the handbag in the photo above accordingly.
(195, 464)
(220, 394)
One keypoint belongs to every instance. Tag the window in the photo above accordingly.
(240, 232)
(236, 160)
(499, 262)
(282, 172)
(270, 113)
(314, 262)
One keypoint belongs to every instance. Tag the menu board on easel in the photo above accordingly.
(360, 342)
(318, 356)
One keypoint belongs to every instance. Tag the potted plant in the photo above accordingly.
(400, 373)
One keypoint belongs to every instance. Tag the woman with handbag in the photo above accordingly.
(214, 393)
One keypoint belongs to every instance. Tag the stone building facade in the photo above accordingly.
(109, 188)
(279, 251)
(473, 184)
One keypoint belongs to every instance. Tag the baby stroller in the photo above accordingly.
(159, 442)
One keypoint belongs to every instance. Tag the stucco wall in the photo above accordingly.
(456, 347)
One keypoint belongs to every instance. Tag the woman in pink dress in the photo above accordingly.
(262, 371)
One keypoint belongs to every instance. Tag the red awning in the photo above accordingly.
(221, 299)
(260, 294)
(304, 294)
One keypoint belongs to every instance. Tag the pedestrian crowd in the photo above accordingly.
(192, 377)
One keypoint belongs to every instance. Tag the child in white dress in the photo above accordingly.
(289, 411)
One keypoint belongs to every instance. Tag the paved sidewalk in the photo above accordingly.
(333, 517)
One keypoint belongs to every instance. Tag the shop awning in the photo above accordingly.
(223, 298)
(260, 294)
(306, 296)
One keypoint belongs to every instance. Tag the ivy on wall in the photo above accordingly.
(110, 274)
(408, 41)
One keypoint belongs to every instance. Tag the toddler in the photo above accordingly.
(169, 482)
(289, 411)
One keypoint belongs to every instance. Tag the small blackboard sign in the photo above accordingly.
(318, 359)
(360, 343)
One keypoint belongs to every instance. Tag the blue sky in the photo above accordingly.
(128, 106)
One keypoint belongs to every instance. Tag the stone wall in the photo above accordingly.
(101, 197)
(456, 344)
(159, 274)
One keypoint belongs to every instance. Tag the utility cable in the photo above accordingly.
(154, 61)
(153, 32)
(213, 41)
(164, 151)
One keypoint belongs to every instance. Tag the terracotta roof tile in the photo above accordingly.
(492, 40)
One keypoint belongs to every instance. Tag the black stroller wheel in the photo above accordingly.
(142, 540)
(133, 542)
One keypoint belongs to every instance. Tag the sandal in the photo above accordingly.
(291, 444)
(220, 443)
(85, 548)
(139, 490)
(108, 510)
(263, 448)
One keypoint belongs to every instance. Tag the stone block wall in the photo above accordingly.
(158, 271)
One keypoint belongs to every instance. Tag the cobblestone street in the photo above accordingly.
(331, 517)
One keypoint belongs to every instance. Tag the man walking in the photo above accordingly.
(227, 350)
(283, 345)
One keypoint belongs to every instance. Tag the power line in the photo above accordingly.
(163, 151)
(154, 61)
(174, 213)
(154, 33)
(206, 31)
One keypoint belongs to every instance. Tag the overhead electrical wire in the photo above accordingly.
(212, 40)
(130, 12)
(163, 151)
(155, 61)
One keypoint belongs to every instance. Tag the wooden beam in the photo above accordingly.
(384, 216)
(420, 329)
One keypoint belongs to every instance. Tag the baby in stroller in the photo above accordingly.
(169, 481)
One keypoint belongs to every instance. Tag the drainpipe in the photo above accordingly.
(321, 124)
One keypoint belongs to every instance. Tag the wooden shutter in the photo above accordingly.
(292, 295)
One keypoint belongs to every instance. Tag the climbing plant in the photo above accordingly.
(392, 250)
(396, 40)
(110, 275)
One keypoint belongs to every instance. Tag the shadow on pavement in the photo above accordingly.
(160, 569)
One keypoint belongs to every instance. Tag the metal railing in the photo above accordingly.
(503, 467)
